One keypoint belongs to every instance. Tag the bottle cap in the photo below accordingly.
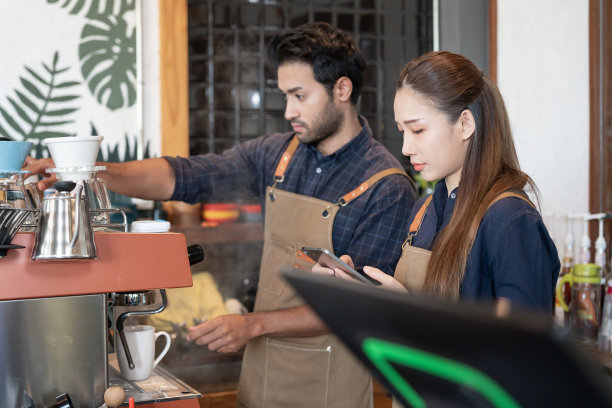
(587, 270)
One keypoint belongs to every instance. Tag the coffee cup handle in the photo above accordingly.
(166, 347)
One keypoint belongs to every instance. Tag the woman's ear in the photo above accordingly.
(343, 89)
(468, 124)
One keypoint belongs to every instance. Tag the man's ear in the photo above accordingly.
(343, 89)
(468, 124)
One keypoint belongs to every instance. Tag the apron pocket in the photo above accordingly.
(296, 375)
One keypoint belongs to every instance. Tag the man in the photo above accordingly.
(329, 184)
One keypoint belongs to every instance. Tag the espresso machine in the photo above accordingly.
(62, 277)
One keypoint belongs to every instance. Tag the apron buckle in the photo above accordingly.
(408, 241)
(277, 179)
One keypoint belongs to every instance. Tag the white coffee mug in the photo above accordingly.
(141, 341)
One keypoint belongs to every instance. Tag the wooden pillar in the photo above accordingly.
(493, 39)
(174, 77)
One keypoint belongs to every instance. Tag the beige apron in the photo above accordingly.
(412, 265)
(315, 371)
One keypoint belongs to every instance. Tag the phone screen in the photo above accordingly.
(325, 258)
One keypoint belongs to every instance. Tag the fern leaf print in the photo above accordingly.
(42, 108)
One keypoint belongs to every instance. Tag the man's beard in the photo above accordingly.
(328, 123)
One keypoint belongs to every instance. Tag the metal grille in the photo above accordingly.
(233, 96)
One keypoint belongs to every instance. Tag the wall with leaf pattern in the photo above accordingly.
(68, 67)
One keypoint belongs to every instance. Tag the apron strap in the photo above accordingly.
(350, 196)
(507, 194)
(279, 173)
(281, 167)
(418, 220)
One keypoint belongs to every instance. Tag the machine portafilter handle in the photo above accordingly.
(123, 316)
(195, 253)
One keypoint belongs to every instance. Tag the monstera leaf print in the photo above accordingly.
(42, 108)
(108, 61)
(96, 8)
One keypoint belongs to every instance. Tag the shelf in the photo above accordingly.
(223, 233)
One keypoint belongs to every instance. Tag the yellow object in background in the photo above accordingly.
(201, 301)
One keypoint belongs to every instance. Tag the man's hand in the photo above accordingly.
(225, 334)
(38, 167)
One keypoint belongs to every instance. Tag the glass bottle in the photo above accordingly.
(605, 332)
(586, 297)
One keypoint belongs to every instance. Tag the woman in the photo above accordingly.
(478, 236)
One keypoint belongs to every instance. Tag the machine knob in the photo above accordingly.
(195, 253)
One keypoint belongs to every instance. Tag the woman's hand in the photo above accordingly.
(323, 270)
(386, 281)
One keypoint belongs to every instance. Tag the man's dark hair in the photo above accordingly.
(331, 53)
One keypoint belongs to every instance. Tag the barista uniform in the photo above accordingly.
(351, 202)
(513, 256)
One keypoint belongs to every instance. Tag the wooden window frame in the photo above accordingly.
(600, 101)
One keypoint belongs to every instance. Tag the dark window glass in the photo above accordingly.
(245, 97)
(221, 15)
(275, 124)
(249, 15)
(297, 16)
(323, 16)
(248, 42)
(345, 22)
(198, 69)
(224, 99)
(367, 4)
(198, 123)
(274, 101)
(368, 48)
(198, 96)
(274, 16)
(249, 71)
(249, 126)
(224, 127)
(367, 24)
(249, 97)
(223, 43)
(198, 41)
(198, 14)
(368, 101)
(224, 71)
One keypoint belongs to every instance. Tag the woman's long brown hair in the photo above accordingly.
(453, 84)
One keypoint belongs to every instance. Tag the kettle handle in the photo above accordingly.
(77, 213)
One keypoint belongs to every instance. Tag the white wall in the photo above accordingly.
(543, 60)
(151, 98)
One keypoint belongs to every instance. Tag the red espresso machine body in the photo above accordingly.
(53, 314)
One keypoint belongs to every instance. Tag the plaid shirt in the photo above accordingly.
(371, 228)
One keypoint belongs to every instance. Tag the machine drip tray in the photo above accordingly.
(161, 386)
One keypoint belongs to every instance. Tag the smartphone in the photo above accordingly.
(325, 258)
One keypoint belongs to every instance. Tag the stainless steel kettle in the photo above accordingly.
(64, 225)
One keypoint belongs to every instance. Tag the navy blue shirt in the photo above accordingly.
(513, 256)
(370, 228)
